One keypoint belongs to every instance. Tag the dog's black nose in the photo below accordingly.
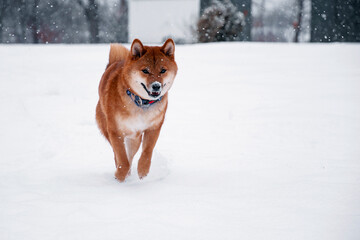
(156, 86)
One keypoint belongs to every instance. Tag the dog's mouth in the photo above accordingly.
(153, 94)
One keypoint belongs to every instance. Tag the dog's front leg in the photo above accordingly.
(122, 163)
(149, 141)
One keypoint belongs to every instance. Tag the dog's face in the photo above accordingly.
(151, 70)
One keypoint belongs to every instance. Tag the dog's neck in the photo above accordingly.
(139, 101)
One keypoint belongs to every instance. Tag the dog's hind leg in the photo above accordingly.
(101, 121)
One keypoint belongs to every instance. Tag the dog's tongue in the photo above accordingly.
(155, 94)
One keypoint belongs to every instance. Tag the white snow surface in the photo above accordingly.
(261, 141)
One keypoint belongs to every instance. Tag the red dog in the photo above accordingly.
(133, 101)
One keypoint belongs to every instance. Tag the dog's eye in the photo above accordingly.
(163, 70)
(145, 71)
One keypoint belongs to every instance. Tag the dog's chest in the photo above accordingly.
(138, 122)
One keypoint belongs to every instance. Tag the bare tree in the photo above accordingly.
(261, 17)
(4, 4)
(62, 21)
(34, 21)
(123, 22)
(297, 24)
(20, 10)
(91, 10)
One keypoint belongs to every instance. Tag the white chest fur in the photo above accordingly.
(138, 122)
(133, 124)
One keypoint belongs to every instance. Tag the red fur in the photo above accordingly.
(121, 121)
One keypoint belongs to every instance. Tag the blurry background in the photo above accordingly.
(187, 21)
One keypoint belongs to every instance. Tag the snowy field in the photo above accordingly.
(261, 141)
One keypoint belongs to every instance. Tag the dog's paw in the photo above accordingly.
(142, 172)
(121, 173)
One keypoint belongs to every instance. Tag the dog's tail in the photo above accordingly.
(117, 53)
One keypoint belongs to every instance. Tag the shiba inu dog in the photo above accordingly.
(133, 98)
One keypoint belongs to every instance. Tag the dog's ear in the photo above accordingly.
(169, 48)
(137, 49)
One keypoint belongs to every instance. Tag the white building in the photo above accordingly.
(154, 20)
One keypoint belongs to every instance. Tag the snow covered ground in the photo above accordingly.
(261, 141)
